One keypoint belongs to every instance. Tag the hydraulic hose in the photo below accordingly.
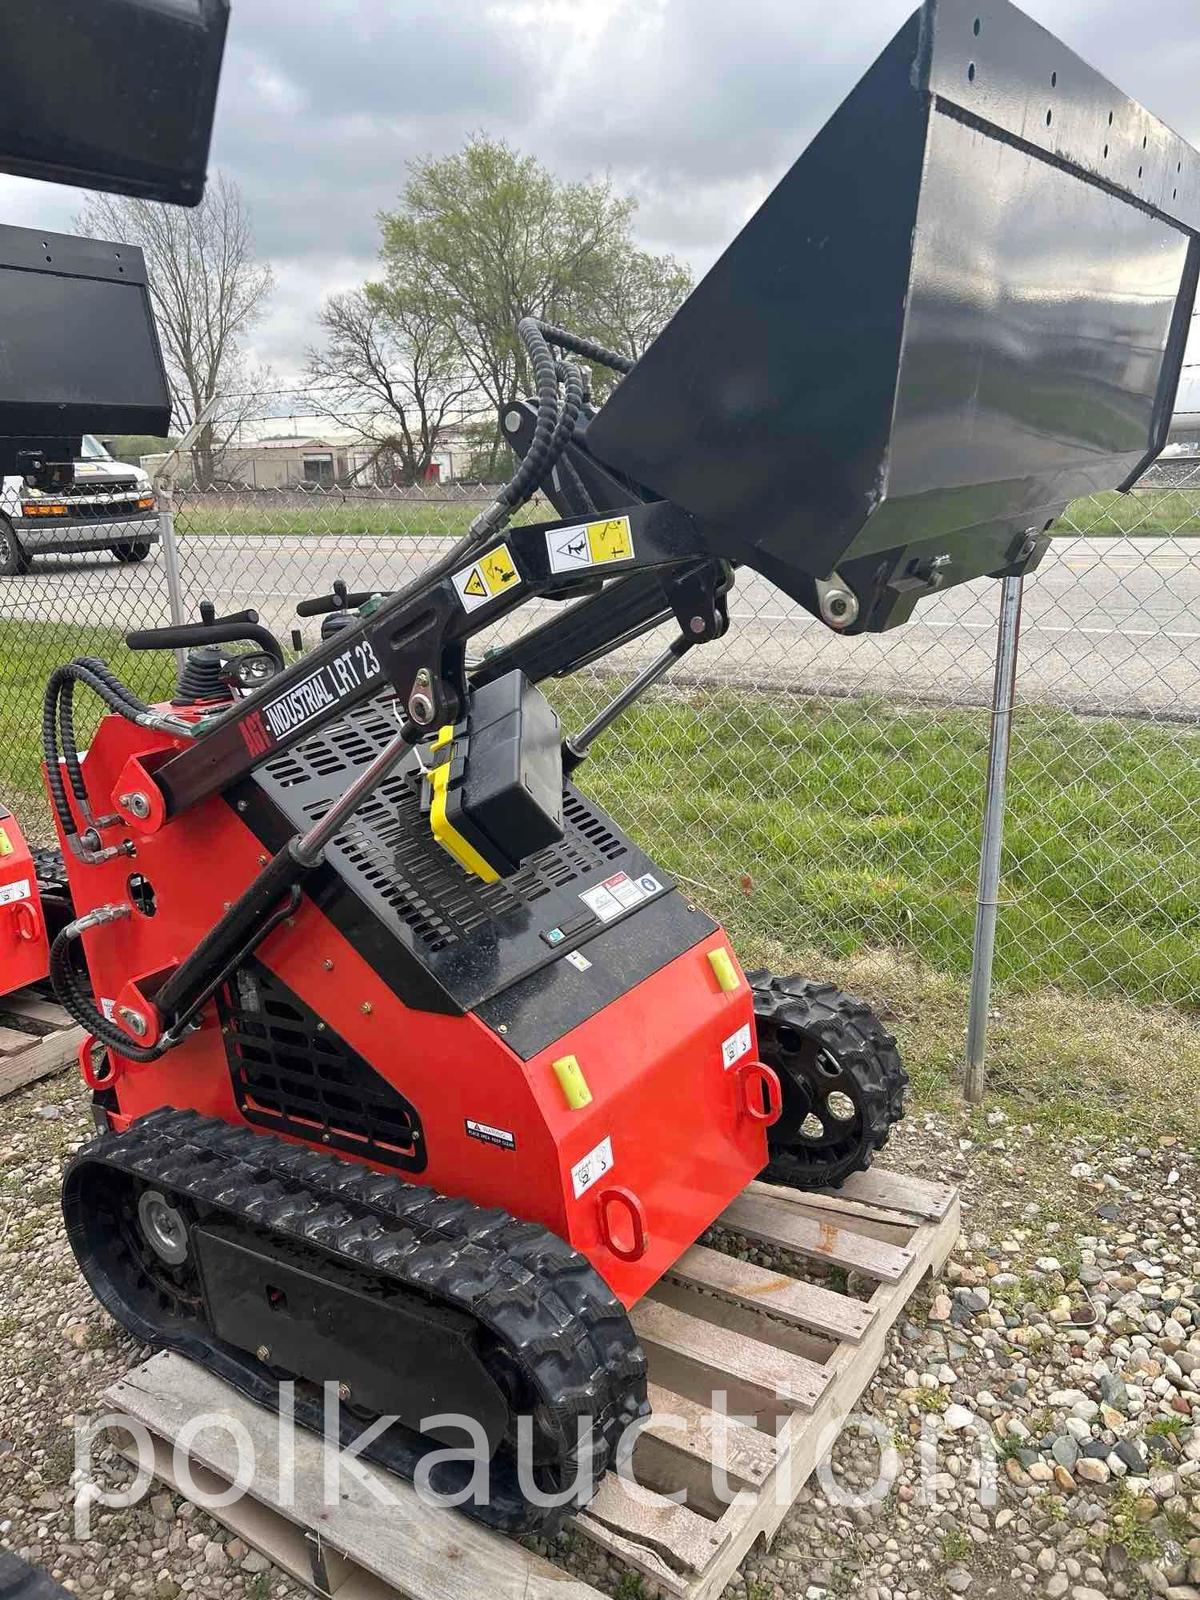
(588, 348)
(75, 996)
(58, 724)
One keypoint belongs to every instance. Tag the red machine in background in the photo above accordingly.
(34, 906)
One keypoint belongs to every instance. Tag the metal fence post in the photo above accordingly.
(992, 844)
(170, 550)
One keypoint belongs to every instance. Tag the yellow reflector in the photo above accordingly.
(146, 503)
(572, 1082)
(41, 508)
(727, 973)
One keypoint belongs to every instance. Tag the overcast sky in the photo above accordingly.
(695, 106)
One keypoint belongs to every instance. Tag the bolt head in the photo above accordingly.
(696, 624)
(420, 708)
(327, 964)
(263, 1352)
(512, 420)
(137, 804)
(343, 1392)
(134, 1021)
(367, 1008)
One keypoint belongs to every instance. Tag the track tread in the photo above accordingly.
(544, 1301)
(850, 1030)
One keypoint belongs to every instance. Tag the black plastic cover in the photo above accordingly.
(963, 307)
(111, 94)
(79, 350)
(507, 802)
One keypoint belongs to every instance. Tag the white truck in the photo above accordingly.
(110, 506)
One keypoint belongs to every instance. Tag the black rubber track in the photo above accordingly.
(799, 1021)
(559, 1324)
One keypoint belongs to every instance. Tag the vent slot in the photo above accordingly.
(388, 847)
(292, 1074)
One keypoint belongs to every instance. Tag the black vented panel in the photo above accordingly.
(472, 938)
(296, 1076)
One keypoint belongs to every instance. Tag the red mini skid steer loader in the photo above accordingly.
(414, 1071)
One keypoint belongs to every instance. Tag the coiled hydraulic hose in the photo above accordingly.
(588, 348)
(58, 729)
(551, 434)
(75, 996)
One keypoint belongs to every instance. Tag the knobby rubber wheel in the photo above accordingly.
(842, 1077)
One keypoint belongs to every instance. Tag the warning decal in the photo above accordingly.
(592, 1168)
(736, 1046)
(12, 892)
(592, 545)
(619, 893)
(491, 575)
(487, 1134)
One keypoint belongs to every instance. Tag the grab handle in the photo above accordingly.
(623, 1200)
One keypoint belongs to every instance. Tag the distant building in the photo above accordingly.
(333, 458)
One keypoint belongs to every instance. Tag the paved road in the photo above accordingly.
(1109, 624)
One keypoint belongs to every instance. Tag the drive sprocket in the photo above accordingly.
(842, 1078)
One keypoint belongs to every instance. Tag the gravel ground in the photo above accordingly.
(1067, 1327)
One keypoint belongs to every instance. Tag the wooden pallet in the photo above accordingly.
(793, 1354)
(39, 1038)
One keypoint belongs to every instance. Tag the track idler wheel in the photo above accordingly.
(842, 1078)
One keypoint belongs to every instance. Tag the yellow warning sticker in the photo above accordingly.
(6, 844)
(611, 540)
(486, 578)
(594, 544)
(498, 569)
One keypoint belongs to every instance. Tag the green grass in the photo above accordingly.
(1149, 511)
(29, 653)
(842, 825)
(1145, 511)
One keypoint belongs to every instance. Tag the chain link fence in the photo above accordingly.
(820, 794)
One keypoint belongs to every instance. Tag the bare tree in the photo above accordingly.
(391, 373)
(207, 289)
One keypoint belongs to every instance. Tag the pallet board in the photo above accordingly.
(38, 1039)
(790, 1357)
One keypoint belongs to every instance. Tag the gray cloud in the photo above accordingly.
(695, 106)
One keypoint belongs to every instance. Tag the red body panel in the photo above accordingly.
(24, 946)
(682, 1142)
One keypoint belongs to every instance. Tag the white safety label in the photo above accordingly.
(578, 960)
(486, 1134)
(593, 544)
(619, 893)
(592, 1168)
(20, 890)
(736, 1046)
(486, 578)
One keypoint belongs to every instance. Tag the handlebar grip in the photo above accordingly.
(324, 603)
(227, 631)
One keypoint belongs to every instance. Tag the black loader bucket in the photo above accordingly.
(963, 307)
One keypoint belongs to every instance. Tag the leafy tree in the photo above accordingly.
(486, 236)
(391, 371)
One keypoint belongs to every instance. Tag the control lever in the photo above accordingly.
(342, 599)
(242, 627)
